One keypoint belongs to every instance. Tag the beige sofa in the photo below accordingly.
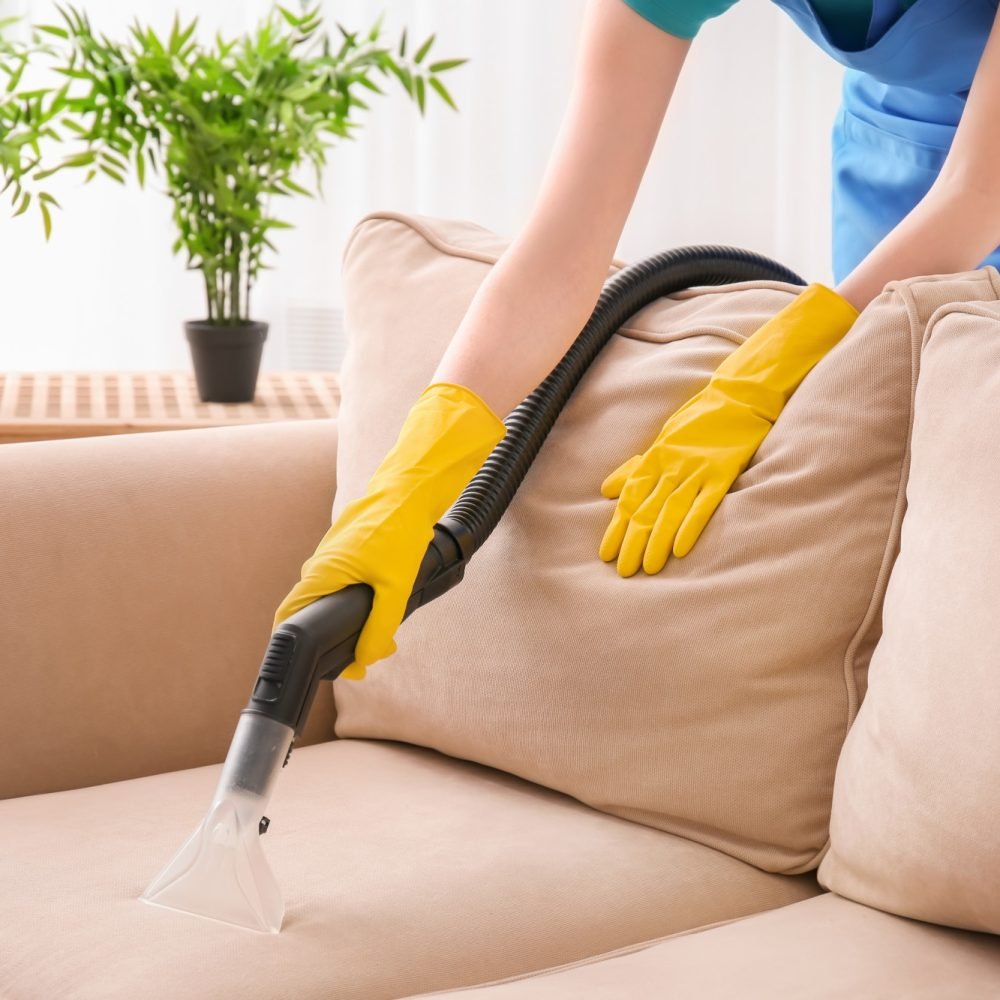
(420, 851)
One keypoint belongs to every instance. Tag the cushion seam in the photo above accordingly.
(604, 956)
(849, 673)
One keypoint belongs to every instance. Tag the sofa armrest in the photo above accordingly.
(139, 578)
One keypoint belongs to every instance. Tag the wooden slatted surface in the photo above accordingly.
(35, 406)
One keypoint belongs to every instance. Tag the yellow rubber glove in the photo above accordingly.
(380, 538)
(669, 493)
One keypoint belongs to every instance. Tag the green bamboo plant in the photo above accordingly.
(226, 124)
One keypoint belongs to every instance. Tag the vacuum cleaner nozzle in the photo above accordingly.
(221, 872)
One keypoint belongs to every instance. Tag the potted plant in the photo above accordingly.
(227, 125)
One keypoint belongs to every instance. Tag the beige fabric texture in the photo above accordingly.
(917, 793)
(710, 700)
(403, 871)
(826, 948)
(140, 577)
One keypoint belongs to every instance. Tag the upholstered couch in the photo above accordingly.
(564, 784)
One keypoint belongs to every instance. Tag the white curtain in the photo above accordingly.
(743, 159)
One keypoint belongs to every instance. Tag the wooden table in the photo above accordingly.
(36, 406)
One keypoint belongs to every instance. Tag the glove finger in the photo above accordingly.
(702, 509)
(661, 538)
(614, 482)
(375, 641)
(639, 485)
(640, 526)
(613, 535)
(636, 490)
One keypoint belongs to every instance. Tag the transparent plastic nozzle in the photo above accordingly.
(221, 873)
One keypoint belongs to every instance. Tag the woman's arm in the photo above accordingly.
(518, 325)
(957, 223)
(544, 288)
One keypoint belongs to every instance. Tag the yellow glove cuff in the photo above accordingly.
(766, 368)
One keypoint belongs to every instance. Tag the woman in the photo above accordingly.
(916, 191)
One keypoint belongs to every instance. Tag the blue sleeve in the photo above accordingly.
(681, 18)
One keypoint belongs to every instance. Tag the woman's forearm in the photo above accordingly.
(527, 312)
(952, 229)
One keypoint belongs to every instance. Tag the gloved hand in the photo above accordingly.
(667, 494)
(380, 538)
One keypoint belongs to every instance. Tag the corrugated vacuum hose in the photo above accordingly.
(221, 872)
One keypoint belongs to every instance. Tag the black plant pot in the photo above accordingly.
(226, 359)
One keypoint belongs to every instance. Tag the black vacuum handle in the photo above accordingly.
(317, 643)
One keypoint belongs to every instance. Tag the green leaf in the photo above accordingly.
(25, 202)
(179, 36)
(419, 82)
(365, 82)
(444, 64)
(422, 51)
(402, 44)
(74, 74)
(80, 159)
(295, 188)
(52, 29)
(48, 199)
(15, 77)
(46, 219)
(114, 161)
(299, 94)
(440, 88)
(112, 173)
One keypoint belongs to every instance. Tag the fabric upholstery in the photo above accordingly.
(917, 798)
(710, 700)
(140, 577)
(402, 870)
(826, 948)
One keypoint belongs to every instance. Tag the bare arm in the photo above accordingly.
(957, 223)
(544, 287)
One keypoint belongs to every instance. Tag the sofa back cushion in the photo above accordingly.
(712, 699)
(917, 793)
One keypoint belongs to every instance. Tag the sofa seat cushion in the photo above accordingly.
(826, 948)
(403, 871)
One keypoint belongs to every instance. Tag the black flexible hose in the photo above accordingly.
(478, 510)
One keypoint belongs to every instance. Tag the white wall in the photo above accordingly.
(743, 159)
